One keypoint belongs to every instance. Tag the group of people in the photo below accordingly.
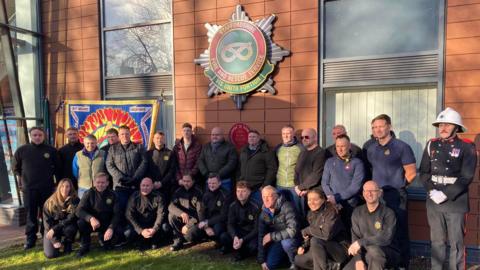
(342, 207)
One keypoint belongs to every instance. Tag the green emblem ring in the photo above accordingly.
(238, 52)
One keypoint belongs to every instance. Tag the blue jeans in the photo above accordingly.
(279, 252)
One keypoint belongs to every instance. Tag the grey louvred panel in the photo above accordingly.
(138, 87)
(391, 68)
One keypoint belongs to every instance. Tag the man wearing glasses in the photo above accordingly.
(373, 228)
(309, 169)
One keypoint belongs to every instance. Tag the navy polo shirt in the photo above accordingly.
(387, 162)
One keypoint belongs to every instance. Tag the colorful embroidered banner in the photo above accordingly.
(96, 117)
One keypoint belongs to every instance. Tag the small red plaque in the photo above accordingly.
(239, 135)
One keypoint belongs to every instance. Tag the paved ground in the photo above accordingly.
(11, 235)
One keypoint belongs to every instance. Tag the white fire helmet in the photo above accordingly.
(450, 116)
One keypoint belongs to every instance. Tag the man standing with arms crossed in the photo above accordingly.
(447, 169)
(393, 168)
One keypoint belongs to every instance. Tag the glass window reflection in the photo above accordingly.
(22, 14)
(139, 50)
(121, 12)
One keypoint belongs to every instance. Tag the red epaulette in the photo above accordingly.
(435, 139)
(466, 140)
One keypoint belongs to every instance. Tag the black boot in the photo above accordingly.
(67, 247)
(82, 251)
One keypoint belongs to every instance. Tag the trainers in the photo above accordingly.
(177, 245)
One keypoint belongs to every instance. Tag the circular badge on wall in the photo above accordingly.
(239, 135)
(237, 52)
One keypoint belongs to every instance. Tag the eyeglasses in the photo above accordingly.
(372, 191)
(305, 137)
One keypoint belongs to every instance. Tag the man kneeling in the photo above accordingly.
(241, 234)
(98, 211)
(277, 231)
(185, 212)
(146, 214)
(373, 233)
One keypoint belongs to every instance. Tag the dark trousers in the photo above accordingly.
(85, 230)
(319, 253)
(376, 258)
(346, 217)
(278, 252)
(247, 249)
(194, 234)
(67, 233)
(218, 229)
(33, 200)
(396, 199)
(441, 225)
(122, 196)
(133, 237)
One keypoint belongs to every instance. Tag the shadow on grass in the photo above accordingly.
(198, 257)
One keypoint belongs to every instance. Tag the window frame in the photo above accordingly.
(104, 30)
(414, 193)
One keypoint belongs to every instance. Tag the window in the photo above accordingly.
(138, 54)
(382, 56)
(379, 27)
(20, 85)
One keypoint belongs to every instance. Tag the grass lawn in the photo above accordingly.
(199, 257)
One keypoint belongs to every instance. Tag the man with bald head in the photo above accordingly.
(146, 213)
(373, 233)
(218, 159)
(309, 168)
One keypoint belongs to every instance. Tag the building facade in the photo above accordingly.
(349, 61)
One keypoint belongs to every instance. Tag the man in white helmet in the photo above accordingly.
(447, 169)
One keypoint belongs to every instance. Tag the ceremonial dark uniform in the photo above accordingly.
(327, 239)
(105, 208)
(215, 207)
(63, 223)
(242, 223)
(190, 202)
(144, 212)
(161, 168)
(37, 164)
(375, 232)
(448, 166)
(66, 154)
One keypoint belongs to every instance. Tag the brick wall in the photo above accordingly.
(296, 29)
(462, 86)
(71, 53)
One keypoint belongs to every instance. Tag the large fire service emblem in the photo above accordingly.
(241, 57)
